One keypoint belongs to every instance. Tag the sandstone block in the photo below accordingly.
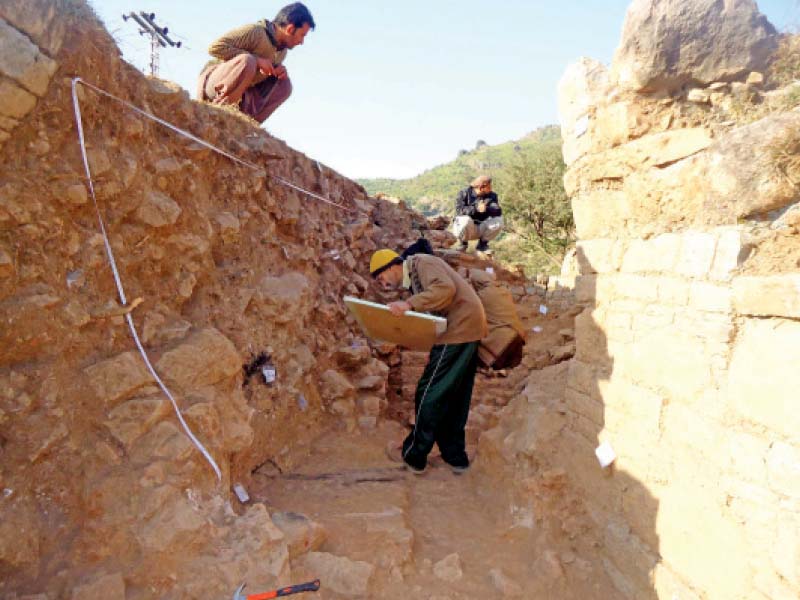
(599, 256)
(342, 575)
(99, 163)
(586, 406)
(77, 195)
(21, 60)
(687, 512)
(371, 382)
(747, 454)
(335, 386)
(715, 45)
(763, 377)
(15, 102)
(636, 287)
(505, 586)
(165, 441)
(783, 469)
(205, 358)
(229, 226)
(176, 523)
(699, 96)
(283, 298)
(40, 21)
(301, 533)
(370, 405)
(697, 254)
(598, 214)
(582, 86)
(786, 547)
(188, 244)
(655, 254)
(685, 375)
(769, 296)
(130, 420)
(351, 357)
(585, 289)
(672, 290)
(755, 79)
(105, 587)
(158, 210)
(709, 297)
(449, 568)
(727, 256)
(592, 344)
(118, 378)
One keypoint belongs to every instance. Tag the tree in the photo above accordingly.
(536, 207)
(480, 144)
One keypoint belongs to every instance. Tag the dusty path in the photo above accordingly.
(405, 524)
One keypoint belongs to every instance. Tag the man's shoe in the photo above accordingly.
(395, 454)
(462, 247)
(483, 248)
(459, 469)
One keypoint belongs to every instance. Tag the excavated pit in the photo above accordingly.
(682, 323)
(104, 494)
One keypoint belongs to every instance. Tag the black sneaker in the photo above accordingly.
(483, 246)
(463, 246)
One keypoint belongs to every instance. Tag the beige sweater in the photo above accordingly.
(251, 39)
(437, 288)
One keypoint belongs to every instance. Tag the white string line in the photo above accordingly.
(110, 254)
(121, 290)
(204, 143)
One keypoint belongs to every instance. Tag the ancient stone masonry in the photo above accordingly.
(103, 495)
(688, 349)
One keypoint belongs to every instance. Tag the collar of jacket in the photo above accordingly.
(270, 29)
(406, 275)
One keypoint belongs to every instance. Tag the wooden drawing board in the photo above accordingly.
(413, 330)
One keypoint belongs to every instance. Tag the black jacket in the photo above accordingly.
(467, 201)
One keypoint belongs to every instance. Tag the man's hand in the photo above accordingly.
(265, 66)
(280, 72)
(400, 307)
(481, 206)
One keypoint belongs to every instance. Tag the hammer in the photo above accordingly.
(311, 586)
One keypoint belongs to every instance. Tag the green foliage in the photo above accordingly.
(434, 191)
(527, 177)
(537, 210)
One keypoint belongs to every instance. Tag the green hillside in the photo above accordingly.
(434, 191)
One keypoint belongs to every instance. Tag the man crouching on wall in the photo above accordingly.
(247, 70)
(444, 390)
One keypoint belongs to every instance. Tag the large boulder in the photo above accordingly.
(667, 43)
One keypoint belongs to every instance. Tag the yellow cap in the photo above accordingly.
(381, 258)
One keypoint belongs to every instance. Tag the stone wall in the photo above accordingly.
(688, 352)
(103, 495)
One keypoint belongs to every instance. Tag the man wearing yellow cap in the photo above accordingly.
(444, 391)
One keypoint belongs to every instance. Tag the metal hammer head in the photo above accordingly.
(239, 595)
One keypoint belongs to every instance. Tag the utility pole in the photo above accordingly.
(158, 36)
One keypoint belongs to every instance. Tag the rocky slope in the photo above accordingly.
(103, 493)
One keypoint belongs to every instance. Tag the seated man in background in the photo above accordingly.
(502, 348)
(248, 72)
(478, 215)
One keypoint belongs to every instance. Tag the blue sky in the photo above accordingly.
(393, 88)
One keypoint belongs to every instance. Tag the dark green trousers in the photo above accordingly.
(442, 403)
